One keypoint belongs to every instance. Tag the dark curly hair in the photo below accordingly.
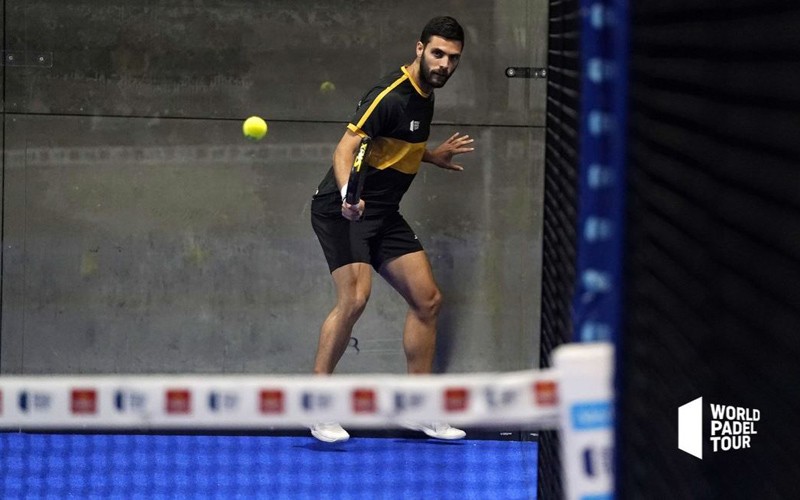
(443, 26)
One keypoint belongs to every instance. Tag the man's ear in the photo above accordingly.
(420, 49)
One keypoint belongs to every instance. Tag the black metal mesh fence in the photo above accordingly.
(713, 248)
(561, 178)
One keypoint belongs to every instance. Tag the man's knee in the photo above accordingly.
(428, 307)
(352, 305)
(353, 286)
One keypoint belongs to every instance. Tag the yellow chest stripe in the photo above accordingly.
(400, 155)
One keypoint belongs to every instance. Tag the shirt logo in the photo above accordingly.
(414, 126)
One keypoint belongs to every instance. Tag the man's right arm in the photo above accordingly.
(343, 158)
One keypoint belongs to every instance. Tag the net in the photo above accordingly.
(244, 402)
(188, 436)
(165, 462)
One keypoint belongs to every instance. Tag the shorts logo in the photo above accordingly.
(414, 126)
(84, 401)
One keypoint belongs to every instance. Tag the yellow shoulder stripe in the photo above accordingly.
(375, 102)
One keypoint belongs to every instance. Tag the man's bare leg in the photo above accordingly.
(353, 285)
(412, 277)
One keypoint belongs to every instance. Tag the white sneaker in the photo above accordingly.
(437, 430)
(329, 432)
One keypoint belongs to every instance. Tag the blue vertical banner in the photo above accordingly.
(597, 304)
(588, 437)
(588, 449)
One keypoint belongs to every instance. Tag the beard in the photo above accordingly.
(435, 79)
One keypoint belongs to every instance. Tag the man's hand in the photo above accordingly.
(442, 156)
(353, 212)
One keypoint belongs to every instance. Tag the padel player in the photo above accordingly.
(396, 114)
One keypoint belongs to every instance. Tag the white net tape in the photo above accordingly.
(526, 398)
(575, 397)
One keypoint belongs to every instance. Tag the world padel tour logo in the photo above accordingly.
(731, 427)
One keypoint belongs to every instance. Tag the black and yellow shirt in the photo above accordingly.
(397, 115)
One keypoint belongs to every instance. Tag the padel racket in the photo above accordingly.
(358, 173)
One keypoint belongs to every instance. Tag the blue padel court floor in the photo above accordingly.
(145, 466)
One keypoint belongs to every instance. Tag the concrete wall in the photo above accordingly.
(141, 233)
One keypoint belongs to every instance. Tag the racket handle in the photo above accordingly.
(358, 173)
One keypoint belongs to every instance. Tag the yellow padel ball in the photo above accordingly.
(254, 128)
(327, 87)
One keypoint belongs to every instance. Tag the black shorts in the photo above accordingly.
(373, 240)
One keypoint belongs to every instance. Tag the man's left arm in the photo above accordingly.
(442, 155)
